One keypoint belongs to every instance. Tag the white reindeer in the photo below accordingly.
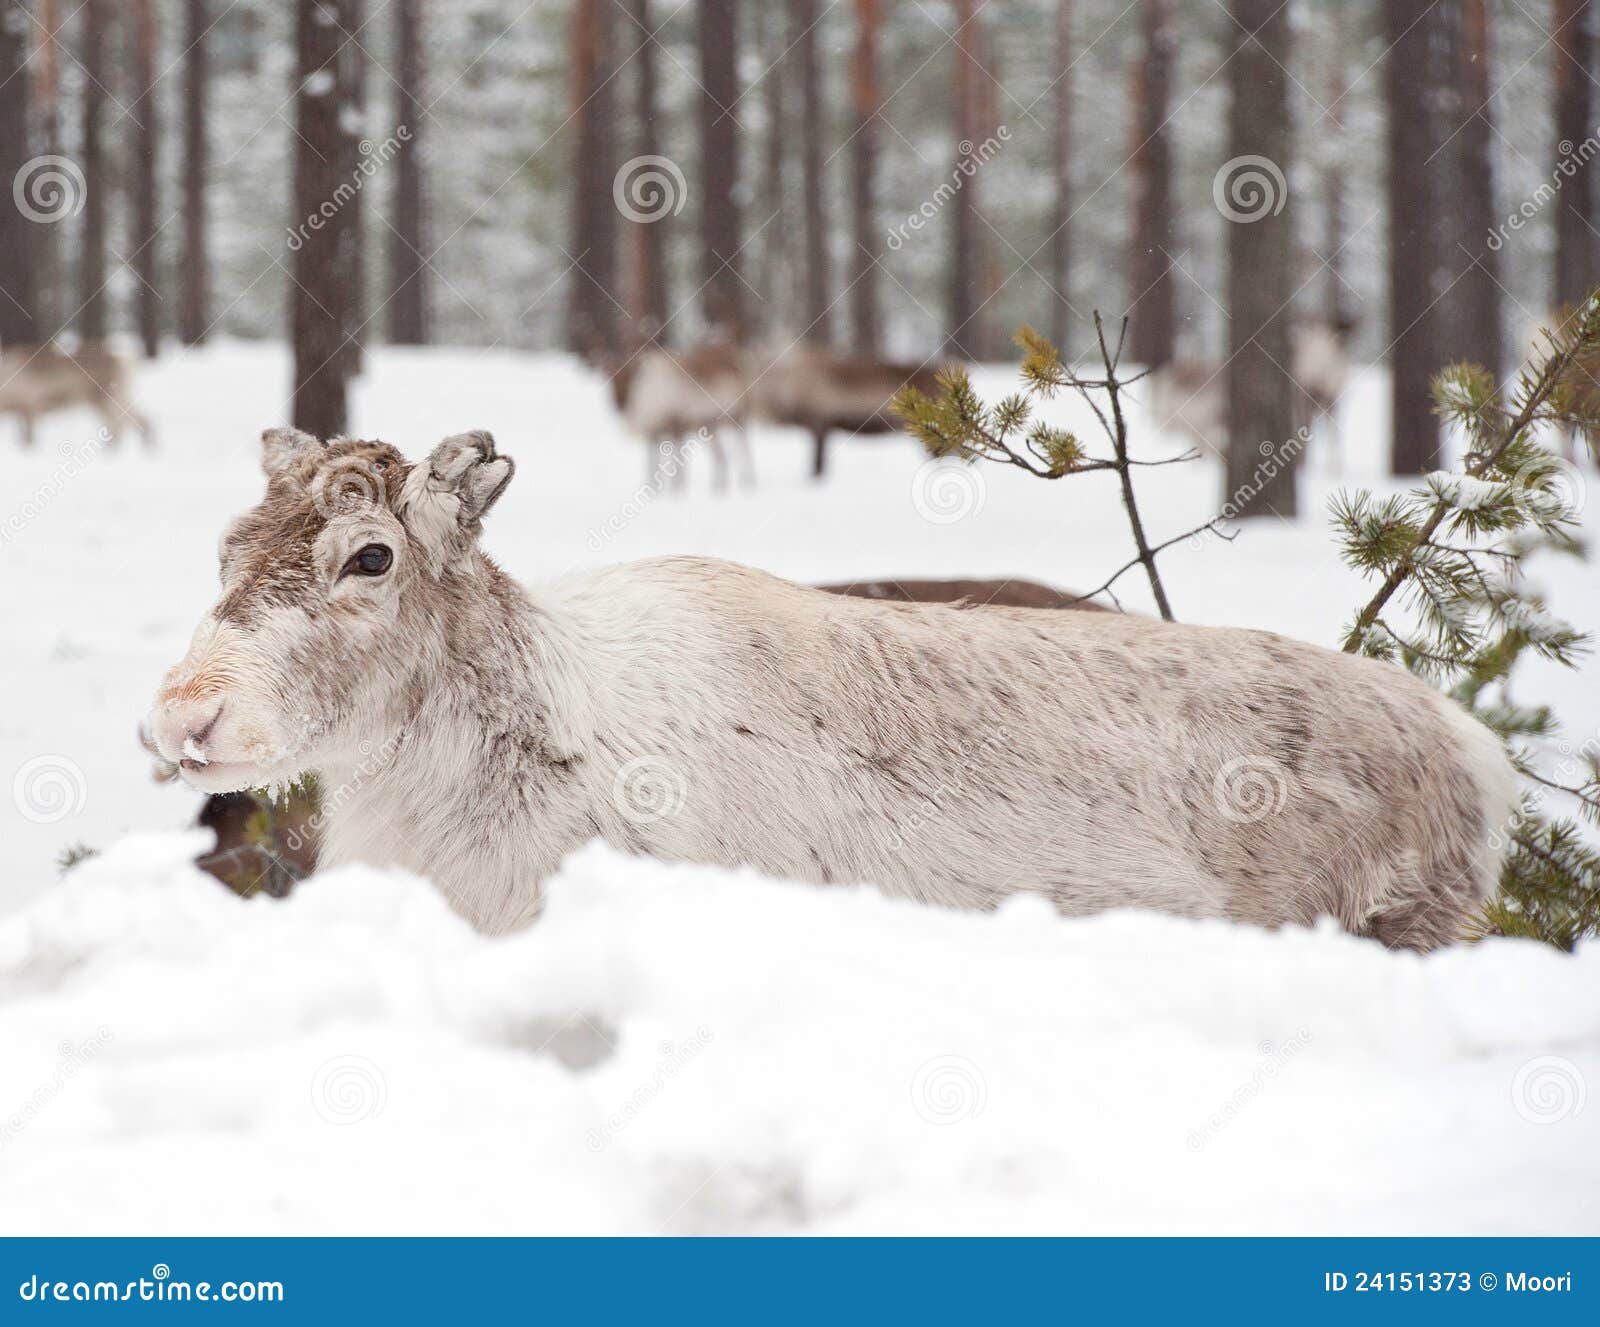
(667, 398)
(475, 731)
(1190, 396)
(36, 380)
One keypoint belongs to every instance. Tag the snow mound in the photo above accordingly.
(681, 1049)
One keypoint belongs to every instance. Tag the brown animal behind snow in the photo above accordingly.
(36, 380)
(821, 392)
(1009, 593)
(1580, 382)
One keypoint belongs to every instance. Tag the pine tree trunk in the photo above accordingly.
(1261, 395)
(352, 221)
(776, 265)
(1575, 219)
(147, 130)
(1061, 328)
(18, 320)
(1480, 339)
(966, 262)
(803, 15)
(649, 234)
(194, 287)
(717, 33)
(408, 270)
(866, 319)
(1413, 259)
(95, 18)
(47, 284)
(1334, 291)
(1152, 309)
(319, 294)
(992, 342)
(592, 320)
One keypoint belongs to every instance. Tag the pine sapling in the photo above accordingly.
(956, 423)
(1453, 604)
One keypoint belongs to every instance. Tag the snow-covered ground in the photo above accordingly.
(683, 1049)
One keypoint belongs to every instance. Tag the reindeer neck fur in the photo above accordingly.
(465, 743)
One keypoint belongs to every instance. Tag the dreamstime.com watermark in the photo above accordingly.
(969, 158)
(945, 490)
(157, 1288)
(373, 156)
(647, 188)
(949, 1089)
(74, 1056)
(1248, 188)
(971, 766)
(670, 463)
(676, 1056)
(1274, 1059)
(373, 759)
(1571, 159)
(75, 459)
(49, 189)
(1275, 457)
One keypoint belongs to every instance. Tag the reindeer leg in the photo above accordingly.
(749, 456)
(680, 465)
(719, 456)
(27, 429)
(819, 453)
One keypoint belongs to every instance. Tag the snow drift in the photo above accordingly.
(680, 1049)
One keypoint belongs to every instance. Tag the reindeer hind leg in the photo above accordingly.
(819, 452)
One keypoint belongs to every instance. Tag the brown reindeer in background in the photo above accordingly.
(820, 391)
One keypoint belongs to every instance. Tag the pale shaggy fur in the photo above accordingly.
(476, 732)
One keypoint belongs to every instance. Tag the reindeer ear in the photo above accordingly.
(462, 478)
(281, 446)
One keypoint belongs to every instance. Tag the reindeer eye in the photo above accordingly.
(370, 560)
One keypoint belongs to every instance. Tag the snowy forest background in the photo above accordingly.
(1126, 95)
(657, 1055)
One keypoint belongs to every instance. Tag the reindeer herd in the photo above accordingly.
(712, 392)
(674, 401)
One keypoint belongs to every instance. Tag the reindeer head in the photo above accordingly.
(331, 589)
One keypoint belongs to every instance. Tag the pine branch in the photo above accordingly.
(1536, 392)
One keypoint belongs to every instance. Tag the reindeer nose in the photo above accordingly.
(194, 737)
(195, 734)
(181, 730)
